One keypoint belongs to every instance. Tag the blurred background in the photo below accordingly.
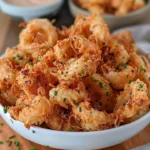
(63, 11)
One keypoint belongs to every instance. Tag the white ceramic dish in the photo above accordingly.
(112, 21)
(81, 140)
(78, 140)
(29, 13)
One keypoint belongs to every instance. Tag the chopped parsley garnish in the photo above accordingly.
(141, 85)
(94, 80)
(20, 57)
(11, 120)
(110, 84)
(127, 76)
(38, 123)
(17, 143)
(1, 142)
(125, 66)
(18, 148)
(32, 148)
(9, 142)
(101, 84)
(103, 43)
(107, 70)
(5, 110)
(13, 57)
(82, 71)
(11, 137)
(142, 69)
(129, 81)
(71, 128)
(33, 131)
(64, 99)
(107, 93)
(80, 109)
(149, 78)
(55, 93)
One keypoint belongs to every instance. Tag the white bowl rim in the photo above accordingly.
(136, 12)
(112, 130)
(28, 8)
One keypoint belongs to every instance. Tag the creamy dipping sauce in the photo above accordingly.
(30, 2)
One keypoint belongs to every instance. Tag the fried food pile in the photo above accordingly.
(79, 78)
(116, 7)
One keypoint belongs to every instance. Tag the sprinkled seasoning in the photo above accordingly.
(5, 110)
(1, 142)
(129, 81)
(107, 93)
(101, 84)
(55, 93)
(32, 148)
(80, 109)
(71, 128)
(141, 85)
(64, 99)
(11, 137)
(142, 69)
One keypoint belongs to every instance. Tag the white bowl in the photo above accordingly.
(78, 140)
(29, 13)
(113, 21)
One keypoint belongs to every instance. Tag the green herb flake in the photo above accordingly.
(55, 93)
(101, 84)
(129, 81)
(127, 76)
(149, 78)
(107, 93)
(82, 71)
(110, 84)
(94, 80)
(33, 131)
(9, 142)
(5, 110)
(17, 143)
(125, 66)
(1, 142)
(103, 43)
(11, 121)
(107, 70)
(32, 148)
(71, 128)
(20, 57)
(11, 137)
(13, 57)
(141, 85)
(18, 148)
(142, 69)
(80, 109)
(64, 100)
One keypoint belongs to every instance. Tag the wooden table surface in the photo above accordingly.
(9, 32)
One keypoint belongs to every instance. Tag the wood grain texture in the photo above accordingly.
(5, 132)
(9, 32)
